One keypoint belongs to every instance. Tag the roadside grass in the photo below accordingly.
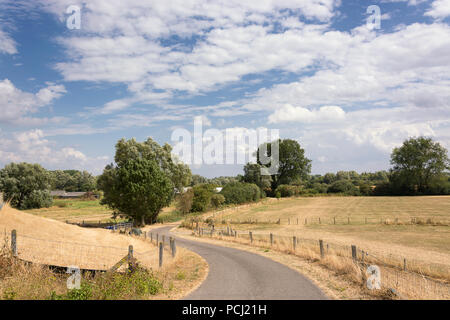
(172, 214)
(24, 281)
(338, 261)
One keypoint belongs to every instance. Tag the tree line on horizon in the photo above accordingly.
(145, 178)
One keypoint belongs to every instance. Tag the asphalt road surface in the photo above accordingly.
(240, 275)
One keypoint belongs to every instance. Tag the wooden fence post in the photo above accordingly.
(173, 247)
(163, 240)
(354, 257)
(161, 250)
(151, 237)
(294, 242)
(322, 254)
(157, 238)
(14, 242)
(130, 258)
(251, 236)
(404, 264)
(271, 239)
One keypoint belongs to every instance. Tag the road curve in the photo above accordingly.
(240, 275)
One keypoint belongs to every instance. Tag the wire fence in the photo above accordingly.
(340, 220)
(408, 278)
(87, 256)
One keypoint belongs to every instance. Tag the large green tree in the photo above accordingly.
(416, 164)
(136, 188)
(252, 174)
(25, 185)
(130, 155)
(293, 164)
(178, 172)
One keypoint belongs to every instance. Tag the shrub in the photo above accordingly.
(217, 200)
(240, 192)
(288, 190)
(185, 201)
(37, 199)
(202, 197)
(365, 189)
(343, 186)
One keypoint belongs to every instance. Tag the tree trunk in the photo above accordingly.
(142, 221)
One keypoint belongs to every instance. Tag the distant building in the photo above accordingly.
(66, 195)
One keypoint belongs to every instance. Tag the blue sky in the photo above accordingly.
(312, 69)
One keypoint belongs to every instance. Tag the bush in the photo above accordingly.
(288, 190)
(37, 199)
(343, 186)
(202, 197)
(217, 200)
(185, 201)
(365, 189)
(240, 192)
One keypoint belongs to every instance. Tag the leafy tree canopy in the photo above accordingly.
(417, 163)
(21, 184)
(293, 164)
(178, 172)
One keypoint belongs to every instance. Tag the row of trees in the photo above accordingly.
(73, 181)
(420, 166)
(145, 178)
(28, 186)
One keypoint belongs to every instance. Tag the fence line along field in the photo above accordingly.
(416, 227)
(50, 242)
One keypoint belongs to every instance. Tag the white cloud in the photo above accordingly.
(33, 147)
(439, 9)
(389, 69)
(16, 105)
(7, 44)
(289, 113)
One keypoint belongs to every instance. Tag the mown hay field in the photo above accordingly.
(413, 227)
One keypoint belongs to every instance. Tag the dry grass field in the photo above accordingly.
(45, 241)
(52, 242)
(377, 224)
(76, 211)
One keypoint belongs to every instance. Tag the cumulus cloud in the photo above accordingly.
(16, 105)
(33, 146)
(439, 9)
(289, 113)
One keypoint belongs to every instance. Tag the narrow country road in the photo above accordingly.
(236, 274)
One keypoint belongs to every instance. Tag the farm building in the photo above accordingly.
(66, 195)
